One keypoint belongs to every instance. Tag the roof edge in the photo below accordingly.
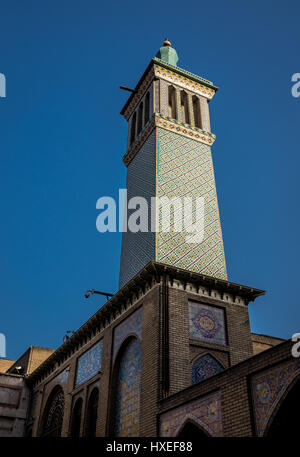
(180, 71)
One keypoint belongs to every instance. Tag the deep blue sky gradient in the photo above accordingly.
(62, 141)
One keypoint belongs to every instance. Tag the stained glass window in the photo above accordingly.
(89, 364)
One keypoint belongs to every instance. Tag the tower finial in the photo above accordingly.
(167, 53)
(166, 42)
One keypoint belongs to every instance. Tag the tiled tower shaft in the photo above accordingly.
(169, 155)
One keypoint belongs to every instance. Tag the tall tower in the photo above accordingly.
(169, 155)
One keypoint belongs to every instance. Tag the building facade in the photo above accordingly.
(171, 353)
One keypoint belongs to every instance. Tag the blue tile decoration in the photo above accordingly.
(222, 357)
(207, 323)
(130, 326)
(205, 411)
(127, 406)
(89, 364)
(204, 367)
(268, 388)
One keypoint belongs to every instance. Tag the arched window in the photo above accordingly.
(204, 367)
(54, 413)
(140, 118)
(126, 407)
(185, 117)
(76, 418)
(147, 108)
(172, 112)
(197, 112)
(92, 413)
(133, 125)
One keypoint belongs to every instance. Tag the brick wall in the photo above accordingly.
(149, 374)
(233, 384)
(166, 346)
(263, 342)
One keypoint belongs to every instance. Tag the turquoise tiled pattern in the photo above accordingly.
(268, 388)
(207, 323)
(89, 364)
(205, 411)
(127, 406)
(185, 168)
(132, 325)
(205, 367)
(138, 248)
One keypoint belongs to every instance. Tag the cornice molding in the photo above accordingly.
(140, 90)
(167, 123)
(186, 130)
(157, 68)
(184, 82)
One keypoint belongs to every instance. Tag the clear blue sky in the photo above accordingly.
(62, 141)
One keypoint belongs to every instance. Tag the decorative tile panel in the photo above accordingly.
(205, 367)
(207, 323)
(89, 364)
(138, 248)
(268, 388)
(205, 411)
(221, 356)
(185, 169)
(130, 326)
(127, 407)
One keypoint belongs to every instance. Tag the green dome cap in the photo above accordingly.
(167, 53)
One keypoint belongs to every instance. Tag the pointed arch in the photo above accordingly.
(132, 128)
(172, 110)
(125, 400)
(191, 424)
(284, 420)
(197, 112)
(205, 366)
(54, 413)
(92, 413)
(76, 418)
(147, 108)
(140, 118)
(185, 115)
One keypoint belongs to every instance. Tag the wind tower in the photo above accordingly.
(168, 154)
